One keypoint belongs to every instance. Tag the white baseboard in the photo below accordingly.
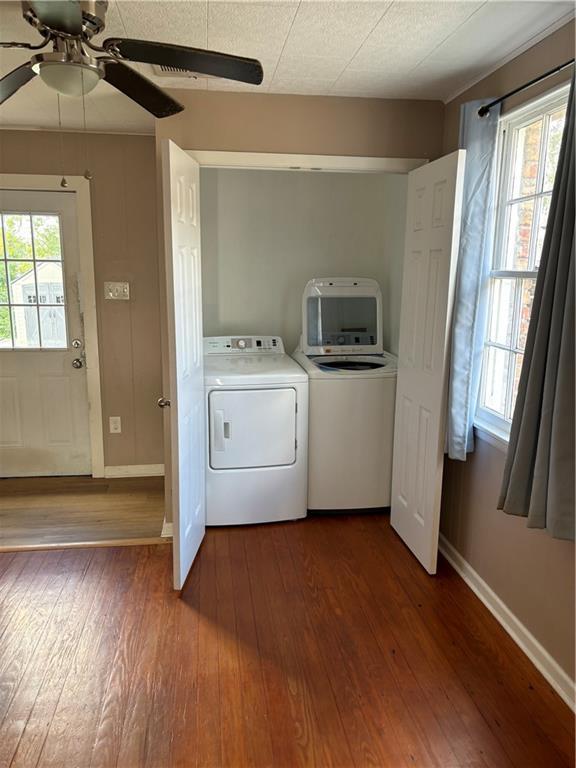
(537, 654)
(166, 530)
(135, 470)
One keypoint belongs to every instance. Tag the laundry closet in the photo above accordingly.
(244, 236)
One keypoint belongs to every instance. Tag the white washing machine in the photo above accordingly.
(352, 388)
(257, 415)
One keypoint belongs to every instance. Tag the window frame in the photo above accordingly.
(486, 420)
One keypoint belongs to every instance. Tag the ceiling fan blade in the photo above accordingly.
(14, 80)
(140, 89)
(192, 59)
(63, 15)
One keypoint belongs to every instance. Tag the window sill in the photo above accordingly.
(491, 434)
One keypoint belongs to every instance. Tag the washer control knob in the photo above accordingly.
(241, 343)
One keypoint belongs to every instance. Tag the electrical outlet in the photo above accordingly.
(115, 424)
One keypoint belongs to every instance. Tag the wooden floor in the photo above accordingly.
(314, 643)
(40, 512)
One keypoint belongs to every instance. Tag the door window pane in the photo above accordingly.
(22, 282)
(517, 255)
(17, 235)
(496, 378)
(553, 142)
(52, 326)
(525, 173)
(25, 327)
(5, 328)
(46, 237)
(32, 281)
(502, 311)
(50, 283)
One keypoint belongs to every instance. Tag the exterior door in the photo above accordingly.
(44, 428)
(181, 198)
(431, 251)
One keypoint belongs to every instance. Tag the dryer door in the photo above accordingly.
(252, 428)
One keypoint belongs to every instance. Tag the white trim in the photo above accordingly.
(135, 470)
(538, 655)
(56, 129)
(490, 434)
(81, 187)
(167, 529)
(285, 162)
(566, 19)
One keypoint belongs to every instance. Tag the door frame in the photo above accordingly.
(280, 161)
(80, 187)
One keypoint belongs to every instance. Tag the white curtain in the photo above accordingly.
(478, 136)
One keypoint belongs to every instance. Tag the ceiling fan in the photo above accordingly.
(71, 69)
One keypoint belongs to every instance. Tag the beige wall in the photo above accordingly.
(123, 194)
(545, 55)
(266, 233)
(531, 572)
(324, 125)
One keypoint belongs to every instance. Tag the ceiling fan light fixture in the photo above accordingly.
(66, 75)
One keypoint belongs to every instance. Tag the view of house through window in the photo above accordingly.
(530, 142)
(32, 305)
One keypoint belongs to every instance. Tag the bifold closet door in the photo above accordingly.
(186, 411)
(431, 252)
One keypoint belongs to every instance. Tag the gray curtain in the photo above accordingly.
(539, 474)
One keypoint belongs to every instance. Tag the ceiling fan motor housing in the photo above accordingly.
(48, 16)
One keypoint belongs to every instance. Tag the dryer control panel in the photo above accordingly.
(251, 345)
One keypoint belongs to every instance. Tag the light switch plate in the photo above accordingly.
(117, 291)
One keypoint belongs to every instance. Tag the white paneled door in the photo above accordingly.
(44, 428)
(181, 198)
(431, 251)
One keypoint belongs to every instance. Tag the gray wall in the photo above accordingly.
(266, 233)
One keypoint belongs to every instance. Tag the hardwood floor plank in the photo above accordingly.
(73, 511)
(35, 701)
(316, 643)
(17, 709)
(115, 705)
(81, 698)
(134, 743)
(475, 663)
(411, 643)
(314, 709)
(412, 717)
(373, 740)
(254, 702)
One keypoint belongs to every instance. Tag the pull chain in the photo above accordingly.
(63, 182)
(87, 171)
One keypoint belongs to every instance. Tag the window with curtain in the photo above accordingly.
(529, 146)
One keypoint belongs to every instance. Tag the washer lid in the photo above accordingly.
(252, 370)
(353, 366)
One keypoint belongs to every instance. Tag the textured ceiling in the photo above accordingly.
(398, 49)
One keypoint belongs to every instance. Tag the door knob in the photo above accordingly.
(163, 402)
(77, 363)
